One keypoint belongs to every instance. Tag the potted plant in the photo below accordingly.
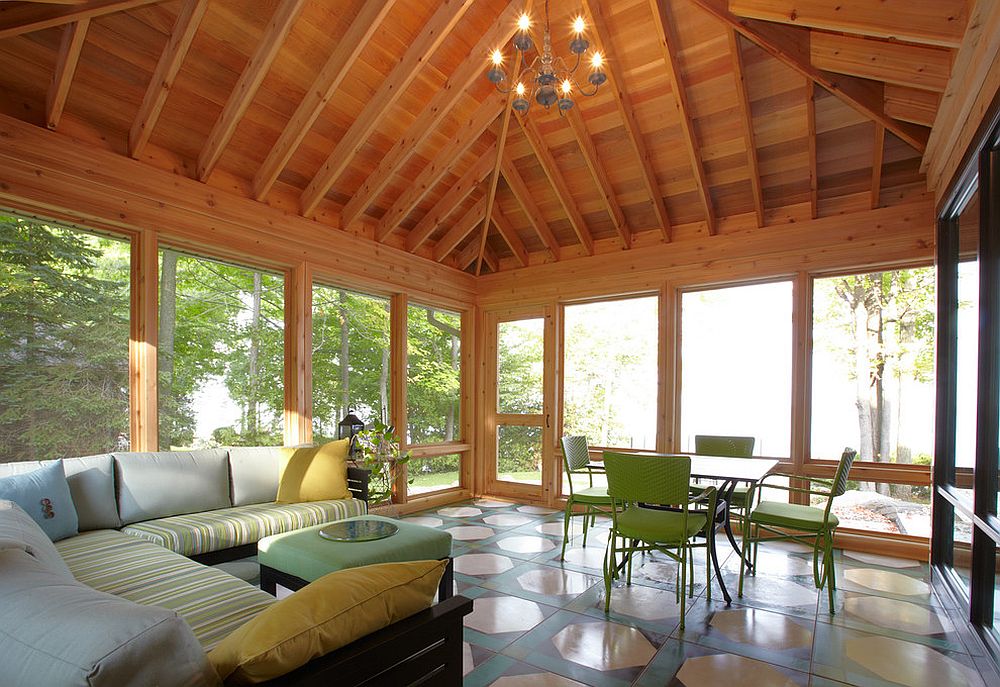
(377, 449)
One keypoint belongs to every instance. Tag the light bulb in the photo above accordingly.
(596, 61)
(579, 25)
(519, 88)
(524, 22)
(566, 86)
(497, 57)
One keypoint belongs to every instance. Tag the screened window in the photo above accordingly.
(610, 375)
(736, 362)
(220, 354)
(433, 375)
(64, 333)
(350, 358)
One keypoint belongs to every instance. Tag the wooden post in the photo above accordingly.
(298, 355)
(142, 343)
(468, 406)
(801, 373)
(668, 383)
(398, 365)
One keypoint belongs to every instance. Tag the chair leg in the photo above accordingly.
(818, 578)
(708, 568)
(585, 519)
(609, 569)
(691, 572)
(684, 552)
(631, 552)
(831, 572)
(566, 517)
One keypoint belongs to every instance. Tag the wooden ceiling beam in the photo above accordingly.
(811, 135)
(460, 230)
(26, 17)
(558, 182)
(520, 190)
(616, 83)
(671, 59)
(897, 63)
(430, 118)
(185, 27)
(441, 163)
(600, 176)
(472, 178)
(931, 22)
(509, 235)
(746, 112)
(74, 36)
(790, 45)
(417, 54)
(877, 155)
(911, 104)
(350, 46)
(470, 254)
(243, 93)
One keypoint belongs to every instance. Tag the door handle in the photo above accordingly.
(547, 424)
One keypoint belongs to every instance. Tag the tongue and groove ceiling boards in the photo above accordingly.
(375, 116)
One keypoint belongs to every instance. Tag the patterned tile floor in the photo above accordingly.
(539, 621)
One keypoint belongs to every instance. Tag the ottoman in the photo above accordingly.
(294, 559)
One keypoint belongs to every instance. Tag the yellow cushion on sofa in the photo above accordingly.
(314, 474)
(323, 616)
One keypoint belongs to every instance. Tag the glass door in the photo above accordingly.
(519, 423)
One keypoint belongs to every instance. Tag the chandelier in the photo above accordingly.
(547, 80)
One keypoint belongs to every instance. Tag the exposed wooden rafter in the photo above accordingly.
(253, 74)
(878, 152)
(25, 17)
(470, 254)
(73, 38)
(616, 83)
(559, 185)
(185, 26)
(811, 135)
(520, 190)
(747, 117)
(354, 40)
(671, 59)
(460, 230)
(433, 114)
(509, 235)
(790, 45)
(418, 52)
(600, 176)
(911, 104)
(915, 66)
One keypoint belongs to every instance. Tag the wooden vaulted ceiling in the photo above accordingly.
(374, 116)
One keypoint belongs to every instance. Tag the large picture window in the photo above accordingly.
(610, 377)
(64, 333)
(350, 358)
(736, 362)
(220, 354)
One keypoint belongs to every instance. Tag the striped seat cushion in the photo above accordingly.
(222, 529)
(212, 602)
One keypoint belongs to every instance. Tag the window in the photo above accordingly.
(220, 354)
(64, 333)
(610, 372)
(736, 365)
(350, 358)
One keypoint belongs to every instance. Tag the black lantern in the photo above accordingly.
(349, 426)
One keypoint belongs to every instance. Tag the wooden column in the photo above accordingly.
(397, 366)
(468, 404)
(668, 383)
(801, 375)
(142, 343)
(298, 355)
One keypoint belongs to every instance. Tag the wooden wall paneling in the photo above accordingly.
(746, 112)
(185, 27)
(253, 75)
(527, 202)
(790, 45)
(589, 151)
(398, 338)
(509, 234)
(663, 24)
(73, 39)
(558, 182)
(298, 355)
(626, 109)
(27, 17)
(905, 65)
(462, 228)
(911, 104)
(452, 198)
(433, 114)
(434, 31)
(932, 22)
(443, 162)
(326, 83)
(813, 162)
(49, 172)
(144, 318)
(878, 152)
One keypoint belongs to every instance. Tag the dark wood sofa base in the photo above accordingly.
(271, 577)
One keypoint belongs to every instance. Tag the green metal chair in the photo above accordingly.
(595, 500)
(798, 522)
(730, 447)
(637, 482)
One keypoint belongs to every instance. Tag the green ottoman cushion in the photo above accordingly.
(305, 554)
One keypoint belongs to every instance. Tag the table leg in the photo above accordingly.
(715, 559)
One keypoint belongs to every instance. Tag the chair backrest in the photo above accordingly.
(732, 447)
(576, 453)
(655, 479)
(839, 485)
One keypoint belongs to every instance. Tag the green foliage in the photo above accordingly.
(378, 450)
(64, 331)
(433, 375)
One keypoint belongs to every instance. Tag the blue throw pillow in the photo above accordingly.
(44, 495)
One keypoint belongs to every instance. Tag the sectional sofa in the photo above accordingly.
(151, 523)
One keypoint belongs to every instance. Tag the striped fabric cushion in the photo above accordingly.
(212, 602)
(222, 529)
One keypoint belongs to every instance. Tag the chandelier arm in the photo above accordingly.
(588, 95)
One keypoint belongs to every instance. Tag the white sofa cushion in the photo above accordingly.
(165, 483)
(19, 531)
(254, 471)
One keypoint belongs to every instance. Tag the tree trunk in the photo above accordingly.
(383, 386)
(449, 421)
(862, 374)
(165, 343)
(253, 405)
(889, 376)
(345, 354)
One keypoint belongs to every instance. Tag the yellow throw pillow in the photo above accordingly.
(314, 474)
(323, 616)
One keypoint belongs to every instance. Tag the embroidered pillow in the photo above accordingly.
(44, 495)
